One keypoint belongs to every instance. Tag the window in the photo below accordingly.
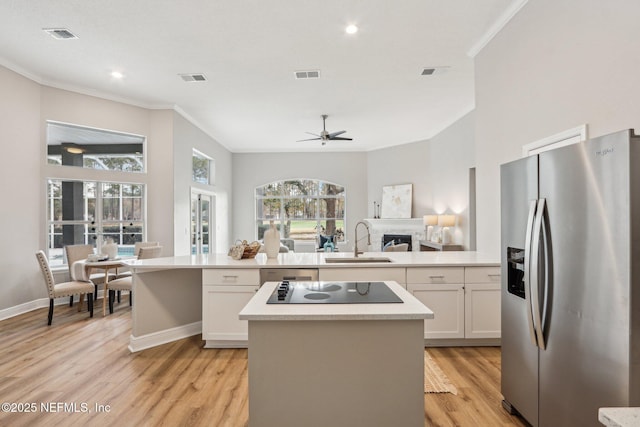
(301, 209)
(88, 212)
(202, 167)
(73, 145)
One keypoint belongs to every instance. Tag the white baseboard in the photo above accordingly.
(162, 337)
(462, 342)
(26, 307)
(226, 344)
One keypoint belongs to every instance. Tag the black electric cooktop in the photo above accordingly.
(332, 293)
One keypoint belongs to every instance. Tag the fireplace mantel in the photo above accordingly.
(380, 226)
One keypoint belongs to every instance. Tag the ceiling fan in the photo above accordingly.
(326, 136)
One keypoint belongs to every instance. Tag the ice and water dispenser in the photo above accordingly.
(515, 271)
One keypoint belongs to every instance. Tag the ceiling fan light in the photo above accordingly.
(73, 149)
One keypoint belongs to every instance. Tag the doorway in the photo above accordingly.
(202, 222)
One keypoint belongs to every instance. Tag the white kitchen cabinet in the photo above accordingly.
(447, 303)
(442, 290)
(224, 293)
(465, 301)
(364, 274)
(482, 302)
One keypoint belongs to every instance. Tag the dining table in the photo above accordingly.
(85, 267)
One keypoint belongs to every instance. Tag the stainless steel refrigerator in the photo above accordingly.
(570, 258)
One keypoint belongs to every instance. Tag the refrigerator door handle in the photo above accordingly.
(535, 282)
(527, 271)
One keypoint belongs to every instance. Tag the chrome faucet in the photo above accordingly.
(355, 247)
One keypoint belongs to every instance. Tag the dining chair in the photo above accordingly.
(402, 247)
(65, 289)
(126, 271)
(78, 253)
(126, 283)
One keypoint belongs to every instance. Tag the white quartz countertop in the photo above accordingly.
(258, 309)
(317, 260)
(619, 417)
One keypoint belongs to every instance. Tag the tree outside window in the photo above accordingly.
(202, 166)
(302, 209)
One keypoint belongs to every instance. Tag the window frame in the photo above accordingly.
(96, 226)
(316, 197)
(85, 133)
(210, 168)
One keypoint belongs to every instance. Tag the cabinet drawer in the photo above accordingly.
(482, 275)
(230, 276)
(435, 275)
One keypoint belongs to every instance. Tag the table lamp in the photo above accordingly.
(429, 222)
(446, 221)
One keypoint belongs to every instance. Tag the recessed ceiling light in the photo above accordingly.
(351, 29)
(117, 74)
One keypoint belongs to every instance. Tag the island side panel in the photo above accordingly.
(336, 373)
(166, 299)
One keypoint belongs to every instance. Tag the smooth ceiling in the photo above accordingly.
(370, 84)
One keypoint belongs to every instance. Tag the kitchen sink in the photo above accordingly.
(352, 260)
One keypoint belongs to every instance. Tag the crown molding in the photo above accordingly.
(80, 89)
(197, 124)
(497, 26)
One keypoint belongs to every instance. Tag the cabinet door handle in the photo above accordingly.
(230, 277)
(437, 277)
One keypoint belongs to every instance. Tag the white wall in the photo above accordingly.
(555, 66)
(187, 137)
(25, 106)
(452, 154)
(403, 164)
(252, 170)
(21, 189)
(156, 125)
(437, 168)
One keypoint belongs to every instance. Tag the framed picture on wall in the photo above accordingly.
(396, 201)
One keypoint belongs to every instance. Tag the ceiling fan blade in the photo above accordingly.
(338, 138)
(310, 139)
(331, 135)
(314, 134)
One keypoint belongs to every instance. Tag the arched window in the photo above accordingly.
(301, 208)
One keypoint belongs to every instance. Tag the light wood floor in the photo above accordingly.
(85, 362)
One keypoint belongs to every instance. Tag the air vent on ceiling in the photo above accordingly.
(309, 74)
(430, 71)
(193, 77)
(60, 33)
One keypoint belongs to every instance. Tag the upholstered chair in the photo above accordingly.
(126, 283)
(402, 247)
(65, 289)
(124, 272)
(78, 253)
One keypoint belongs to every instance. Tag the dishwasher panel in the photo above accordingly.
(293, 274)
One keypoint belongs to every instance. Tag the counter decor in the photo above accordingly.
(272, 241)
(244, 250)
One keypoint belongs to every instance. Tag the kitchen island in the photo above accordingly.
(336, 364)
(177, 297)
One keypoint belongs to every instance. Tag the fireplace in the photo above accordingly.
(397, 239)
